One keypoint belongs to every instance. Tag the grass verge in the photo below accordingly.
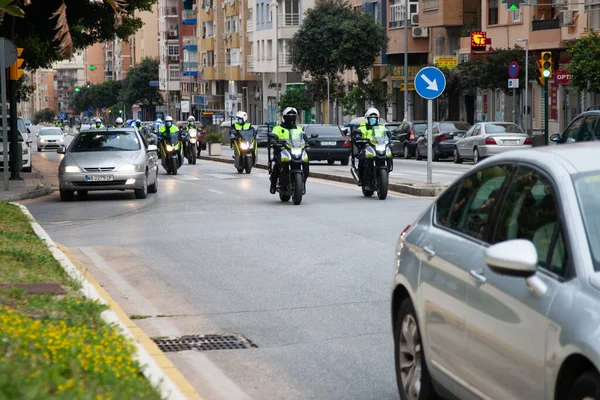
(56, 346)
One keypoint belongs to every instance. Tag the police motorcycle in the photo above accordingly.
(245, 148)
(293, 156)
(191, 145)
(378, 163)
(171, 152)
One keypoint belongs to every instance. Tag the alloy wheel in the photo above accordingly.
(410, 357)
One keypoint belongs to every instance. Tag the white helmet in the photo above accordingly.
(242, 115)
(159, 121)
(169, 119)
(370, 114)
(119, 121)
(98, 121)
(290, 111)
(191, 119)
(289, 115)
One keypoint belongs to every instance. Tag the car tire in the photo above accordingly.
(154, 187)
(143, 192)
(346, 161)
(330, 162)
(418, 154)
(587, 386)
(406, 152)
(66, 195)
(27, 169)
(457, 159)
(412, 360)
(476, 157)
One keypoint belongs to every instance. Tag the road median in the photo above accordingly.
(58, 337)
(413, 189)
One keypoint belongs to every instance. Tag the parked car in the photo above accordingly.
(584, 128)
(445, 135)
(50, 138)
(486, 139)
(403, 141)
(332, 145)
(27, 122)
(24, 140)
(108, 159)
(261, 135)
(498, 282)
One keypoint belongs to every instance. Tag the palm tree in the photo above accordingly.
(63, 34)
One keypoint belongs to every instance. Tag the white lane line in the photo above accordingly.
(215, 191)
(215, 377)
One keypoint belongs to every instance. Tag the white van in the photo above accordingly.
(25, 142)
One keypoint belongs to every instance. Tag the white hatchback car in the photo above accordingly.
(50, 138)
(25, 145)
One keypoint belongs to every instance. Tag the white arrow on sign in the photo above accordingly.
(432, 84)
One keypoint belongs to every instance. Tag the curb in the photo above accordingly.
(32, 194)
(156, 367)
(430, 191)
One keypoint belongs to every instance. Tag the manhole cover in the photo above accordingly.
(204, 343)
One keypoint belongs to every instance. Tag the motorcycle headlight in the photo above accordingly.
(380, 148)
(193, 134)
(296, 152)
(245, 146)
(127, 168)
(70, 169)
(169, 147)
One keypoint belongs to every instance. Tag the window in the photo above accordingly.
(269, 13)
(259, 19)
(475, 202)
(517, 15)
(444, 205)
(530, 212)
(593, 14)
(589, 128)
(174, 71)
(492, 12)
(173, 49)
(571, 134)
(235, 57)
(269, 49)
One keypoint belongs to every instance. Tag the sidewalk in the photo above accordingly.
(31, 186)
(413, 188)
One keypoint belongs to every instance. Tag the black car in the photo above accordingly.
(331, 145)
(584, 128)
(404, 139)
(445, 134)
(261, 135)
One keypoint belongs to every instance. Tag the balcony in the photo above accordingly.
(289, 19)
(208, 73)
(397, 16)
(250, 64)
(207, 44)
(189, 17)
(190, 43)
(170, 12)
(546, 24)
(249, 26)
(447, 13)
(233, 40)
(173, 58)
(232, 73)
(189, 68)
(172, 34)
(285, 59)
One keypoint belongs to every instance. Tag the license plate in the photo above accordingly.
(516, 141)
(328, 143)
(98, 178)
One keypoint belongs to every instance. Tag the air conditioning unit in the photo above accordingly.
(232, 3)
(566, 18)
(223, 6)
(420, 32)
(414, 19)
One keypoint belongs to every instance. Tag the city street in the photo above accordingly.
(214, 252)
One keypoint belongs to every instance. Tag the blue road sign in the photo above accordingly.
(154, 83)
(513, 70)
(430, 83)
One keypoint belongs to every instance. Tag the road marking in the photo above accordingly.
(215, 191)
(223, 176)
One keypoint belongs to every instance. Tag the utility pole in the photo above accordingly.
(277, 52)
(405, 60)
(15, 150)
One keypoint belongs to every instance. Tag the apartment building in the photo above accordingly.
(190, 78)
(145, 41)
(169, 28)
(69, 75)
(44, 95)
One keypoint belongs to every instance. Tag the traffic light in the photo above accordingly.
(15, 70)
(78, 89)
(92, 67)
(120, 111)
(88, 86)
(546, 64)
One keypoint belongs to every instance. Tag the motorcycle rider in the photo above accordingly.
(367, 130)
(289, 116)
(118, 123)
(167, 129)
(240, 125)
(98, 124)
(139, 127)
(190, 125)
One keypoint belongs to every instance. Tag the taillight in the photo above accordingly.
(442, 138)
(346, 142)
(412, 136)
(528, 141)
(490, 140)
(405, 231)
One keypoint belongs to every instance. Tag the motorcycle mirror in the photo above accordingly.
(272, 135)
(314, 136)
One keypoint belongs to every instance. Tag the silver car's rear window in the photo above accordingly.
(106, 141)
(587, 187)
(503, 128)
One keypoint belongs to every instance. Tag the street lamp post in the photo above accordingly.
(328, 102)
(406, 60)
(526, 81)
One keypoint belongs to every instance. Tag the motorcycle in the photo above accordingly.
(172, 153)
(378, 164)
(291, 174)
(245, 150)
(191, 145)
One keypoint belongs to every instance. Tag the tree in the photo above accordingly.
(51, 29)
(374, 93)
(584, 66)
(300, 99)
(136, 87)
(24, 89)
(333, 38)
(45, 115)
(97, 97)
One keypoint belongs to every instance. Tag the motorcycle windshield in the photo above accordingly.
(379, 139)
(247, 135)
(296, 140)
(174, 138)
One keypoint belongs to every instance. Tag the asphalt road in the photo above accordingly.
(50, 155)
(443, 171)
(214, 252)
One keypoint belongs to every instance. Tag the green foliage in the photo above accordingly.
(136, 87)
(333, 38)
(24, 89)
(89, 23)
(9, 7)
(45, 115)
(97, 97)
(359, 95)
(301, 99)
(317, 87)
(584, 66)
(214, 137)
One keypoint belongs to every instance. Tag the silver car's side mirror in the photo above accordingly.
(516, 257)
(152, 147)
(61, 150)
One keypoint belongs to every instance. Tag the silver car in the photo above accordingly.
(497, 291)
(108, 159)
(50, 138)
(486, 139)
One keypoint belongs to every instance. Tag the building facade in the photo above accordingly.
(44, 95)
(145, 41)
(69, 75)
(169, 28)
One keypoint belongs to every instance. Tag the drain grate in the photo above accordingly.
(204, 343)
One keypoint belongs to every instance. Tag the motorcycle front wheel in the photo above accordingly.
(174, 166)
(193, 155)
(298, 189)
(382, 191)
(284, 197)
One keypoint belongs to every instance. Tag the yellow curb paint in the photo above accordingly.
(163, 362)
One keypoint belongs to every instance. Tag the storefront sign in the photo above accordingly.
(445, 62)
(553, 102)
(561, 75)
(478, 41)
(411, 86)
(396, 73)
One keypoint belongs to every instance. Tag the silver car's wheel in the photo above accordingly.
(475, 156)
(410, 358)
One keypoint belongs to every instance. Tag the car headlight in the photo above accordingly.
(169, 147)
(61, 140)
(42, 140)
(245, 146)
(296, 152)
(70, 169)
(127, 168)
(24, 150)
(380, 148)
